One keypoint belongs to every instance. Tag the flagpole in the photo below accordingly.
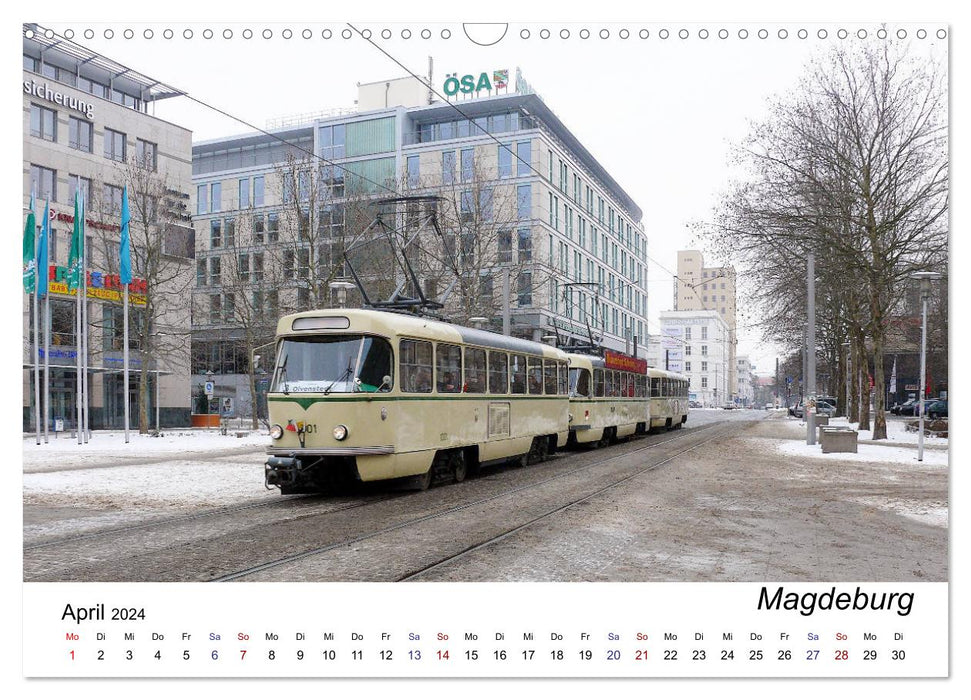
(47, 366)
(36, 345)
(124, 291)
(84, 316)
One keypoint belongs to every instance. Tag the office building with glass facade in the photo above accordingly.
(87, 124)
(527, 196)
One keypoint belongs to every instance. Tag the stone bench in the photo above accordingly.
(837, 439)
(820, 421)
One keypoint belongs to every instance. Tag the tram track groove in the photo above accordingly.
(282, 561)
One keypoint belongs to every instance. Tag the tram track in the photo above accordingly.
(277, 503)
(442, 513)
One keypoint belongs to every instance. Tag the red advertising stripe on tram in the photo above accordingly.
(616, 360)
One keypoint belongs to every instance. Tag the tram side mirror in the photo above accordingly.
(385, 382)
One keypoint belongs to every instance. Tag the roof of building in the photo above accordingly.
(38, 39)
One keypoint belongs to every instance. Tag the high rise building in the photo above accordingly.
(699, 288)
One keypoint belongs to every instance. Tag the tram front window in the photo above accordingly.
(333, 363)
(579, 381)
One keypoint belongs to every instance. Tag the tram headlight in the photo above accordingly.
(276, 432)
(340, 432)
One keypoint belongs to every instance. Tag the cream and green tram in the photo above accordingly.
(669, 399)
(368, 395)
(608, 398)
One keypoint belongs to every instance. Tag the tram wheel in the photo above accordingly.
(538, 450)
(459, 467)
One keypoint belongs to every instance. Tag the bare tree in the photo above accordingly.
(161, 246)
(853, 168)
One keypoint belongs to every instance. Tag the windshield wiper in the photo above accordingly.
(346, 374)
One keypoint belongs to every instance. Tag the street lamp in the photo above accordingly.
(925, 292)
(847, 400)
(341, 286)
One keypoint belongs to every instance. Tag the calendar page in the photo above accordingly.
(575, 347)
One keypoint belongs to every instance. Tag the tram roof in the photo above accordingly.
(392, 323)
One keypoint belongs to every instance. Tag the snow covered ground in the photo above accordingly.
(896, 432)
(108, 448)
(867, 452)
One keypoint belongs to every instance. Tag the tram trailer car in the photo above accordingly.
(608, 398)
(368, 395)
(669, 399)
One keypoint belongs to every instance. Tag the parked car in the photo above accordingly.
(910, 408)
(825, 407)
(936, 409)
(897, 408)
(729, 406)
(769, 406)
(695, 404)
(795, 410)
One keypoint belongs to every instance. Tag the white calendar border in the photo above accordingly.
(894, 10)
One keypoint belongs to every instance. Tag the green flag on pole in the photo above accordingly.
(75, 274)
(30, 263)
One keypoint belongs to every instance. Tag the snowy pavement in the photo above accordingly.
(108, 448)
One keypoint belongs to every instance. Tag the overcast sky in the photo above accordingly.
(659, 113)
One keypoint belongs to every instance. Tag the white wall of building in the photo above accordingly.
(697, 344)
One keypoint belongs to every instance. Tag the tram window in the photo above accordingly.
(475, 371)
(534, 375)
(498, 372)
(448, 368)
(416, 366)
(609, 381)
(641, 385)
(563, 379)
(598, 381)
(655, 387)
(579, 381)
(518, 374)
(549, 377)
(630, 385)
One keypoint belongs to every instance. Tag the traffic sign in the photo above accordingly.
(210, 386)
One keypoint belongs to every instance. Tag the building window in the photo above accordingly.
(687, 333)
(216, 197)
(201, 271)
(258, 184)
(525, 245)
(704, 366)
(115, 145)
(505, 246)
(72, 182)
(523, 158)
(202, 199)
(112, 198)
(687, 366)
(273, 227)
(704, 382)
(147, 153)
(525, 289)
(687, 351)
(704, 350)
(243, 193)
(468, 164)
(505, 160)
(414, 171)
(215, 270)
(215, 233)
(704, 332)
(448, 167)
(80, 134)
(215, 308)
(43, 182)
(43, 123)
(523, 201)
(230, 232)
